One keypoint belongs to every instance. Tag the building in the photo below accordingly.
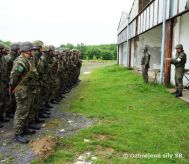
(143, 26)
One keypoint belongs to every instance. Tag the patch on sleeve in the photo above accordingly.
(20, 68)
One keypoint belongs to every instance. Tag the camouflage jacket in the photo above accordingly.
(179, 60)
(145, 61)
(10, 60)
(22, 74)
(3, 75)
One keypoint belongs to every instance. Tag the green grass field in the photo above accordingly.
(130, 117)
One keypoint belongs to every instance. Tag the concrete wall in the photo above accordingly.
(153, 39)
(181, 35)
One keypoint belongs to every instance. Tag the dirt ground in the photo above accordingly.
(62, 123)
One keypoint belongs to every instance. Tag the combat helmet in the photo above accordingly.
(2, 46)
(26, 46)
(179, 46)
(45, 48)
(15, 46)
(38, 44)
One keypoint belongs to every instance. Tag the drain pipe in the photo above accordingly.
(163, 42)
(127, 53)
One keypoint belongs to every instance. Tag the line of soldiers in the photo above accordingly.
(32, 77)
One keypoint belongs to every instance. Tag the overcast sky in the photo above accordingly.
(61, 21)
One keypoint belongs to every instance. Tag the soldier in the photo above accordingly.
(14, 53)
(3, 85)
(179, 61)
(22, 86)
(55, 70)
(45, 82)
(34, 109)
(68, 71)
(79, 65)
(145, 63)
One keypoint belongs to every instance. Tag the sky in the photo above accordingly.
(61, 21)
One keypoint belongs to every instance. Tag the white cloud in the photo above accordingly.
(61, 21)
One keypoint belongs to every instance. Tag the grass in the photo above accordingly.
(130, 118)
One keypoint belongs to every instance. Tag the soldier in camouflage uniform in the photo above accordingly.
(79, 65)
(14, 53)
(3, 85)
(46, 81)
(145, 63)
(55, 72)
(34, 109)
(22, 85)
(179, 61)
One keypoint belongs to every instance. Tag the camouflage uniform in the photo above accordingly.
(145, 63)
(22, 85)
(45, 66)
(14, 48)
(179, 61)
(55, 70)
(79, 65)
(34, 109)
(3, 84)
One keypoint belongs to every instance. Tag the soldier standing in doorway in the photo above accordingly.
(145, 63)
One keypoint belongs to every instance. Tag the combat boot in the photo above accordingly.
(3, 119)
(28, 131)
(53, 101)
(10, 115)
(33, 126)
(179, 94)
(48, 106)
(43, 115)
(176, 92)
(21, 139)
(39, 120)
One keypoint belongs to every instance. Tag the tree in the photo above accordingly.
(107, 55)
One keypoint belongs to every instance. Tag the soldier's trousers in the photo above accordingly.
(12, 104)
(34, 108)
(145, 74)
(2, 101)
(179, 73)
(46, 94)
(24, 101)
(55, 88)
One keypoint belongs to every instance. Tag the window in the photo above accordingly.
(147, 18)
(155, 12)
(151, 14)
(144, 21)
(141, 21)
(160, 17)
(134, 27)
(182, 5)
(168, 9)
(173, 7)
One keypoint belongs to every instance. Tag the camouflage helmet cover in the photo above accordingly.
(45, 48)
(26, 46)
(179, 46)
(38, 44)
(51, 48)
(2, 46)
(15, 46)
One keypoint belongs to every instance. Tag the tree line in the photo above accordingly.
(94, 52)
(88, 52)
